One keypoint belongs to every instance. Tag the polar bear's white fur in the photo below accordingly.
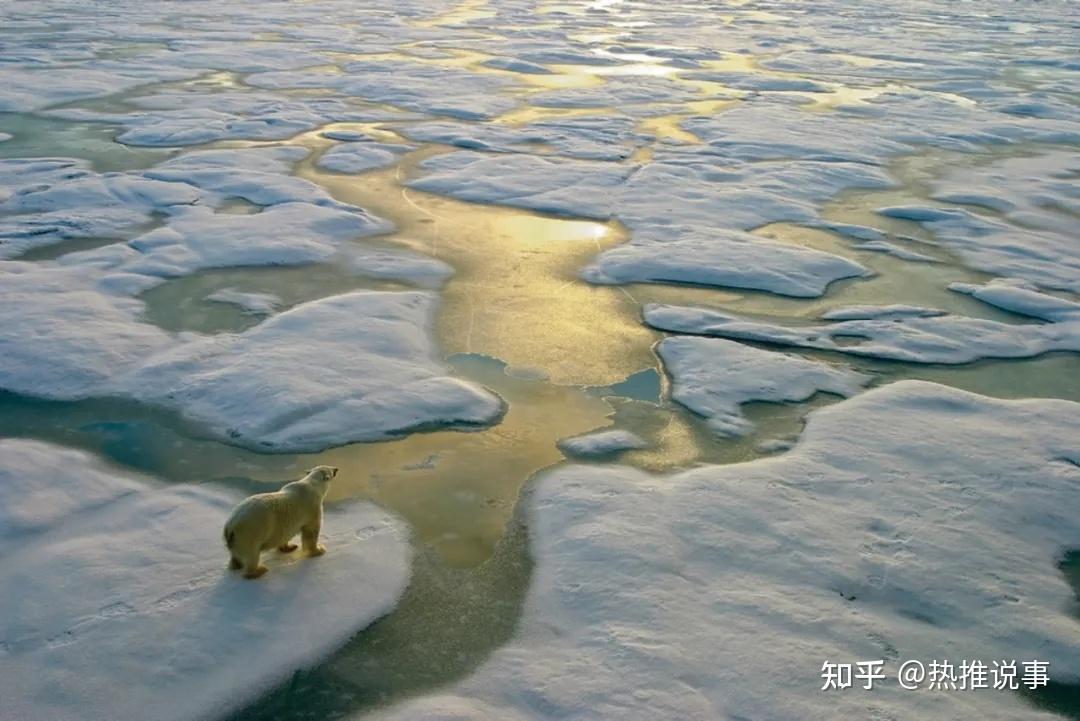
(271, 520)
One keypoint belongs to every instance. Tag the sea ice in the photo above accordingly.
(354, 367)
(729, 259)
(408, 85)
(359, 157)
(367, 371)
(921, 338)
(682, 208)
(601, 443)
(608, 137)
(714, 377)
(121, 608)
(913, 521)
(552, 185)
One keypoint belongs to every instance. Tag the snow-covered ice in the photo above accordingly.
(27, 89)
(686, 213)
(119, 604)
(585, 138)
(360, 366)
(359, 157)
(729, 259)
(282, 234)
(441, 91)
(1036, 200)
(46, 200)
(601, 443)
(714, 377)
(908, 521)
(550, 185)
(913, 521)
(257, 175)
(910, 337)
(353, 367)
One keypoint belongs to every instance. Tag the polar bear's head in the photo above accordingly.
(321, 475)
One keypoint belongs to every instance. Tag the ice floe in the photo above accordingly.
(587, 138)
(359, 366)
(353, 367)
(257, 175)
(430, 89)
(63, 336)
(685, 212)
(46, 200)
(913, 521)
(193, 118)
(1033, 236)
(551, 185)
(1042, 256)
(724, 258)
(714, 377)
(120, 605)
(282, 234)
(907, 336)
(359, 157)
(601, 443)
(28, 89)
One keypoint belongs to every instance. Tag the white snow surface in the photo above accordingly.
(353, 367)
(441, 91)
(714, 377)
(359, 157)
(120, 606)
(913, 521)
(586, 138)
(601, 443)
(46, 200)
(729, 259)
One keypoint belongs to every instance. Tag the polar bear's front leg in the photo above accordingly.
(309, 537)
(252, 567)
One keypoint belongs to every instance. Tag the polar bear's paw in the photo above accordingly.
(257, 572)
(287, 547)
(317, 551)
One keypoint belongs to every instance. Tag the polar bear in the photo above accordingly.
(270, 520)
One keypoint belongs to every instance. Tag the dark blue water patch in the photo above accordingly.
(645, 385)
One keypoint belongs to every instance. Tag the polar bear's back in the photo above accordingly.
(271, 519)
